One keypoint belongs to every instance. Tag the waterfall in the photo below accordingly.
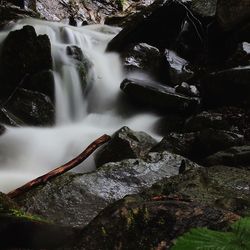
(81, 117)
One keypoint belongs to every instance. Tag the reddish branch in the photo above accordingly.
(62, 169)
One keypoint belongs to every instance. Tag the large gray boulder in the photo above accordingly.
(75, 199)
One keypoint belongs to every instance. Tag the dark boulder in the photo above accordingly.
(200, 144)
(136, 223)
(181, 144)
(147, 59)
(226, 87)
(42, 82)
(125, 144)
(231, 14)
(235, 156)
(205, 120)
(31, 107)
(209, 141)
(23, 54)
(159, 97)
(180, 30)
(170, 123)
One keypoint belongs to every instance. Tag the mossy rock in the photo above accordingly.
(134, 223)
(22, 230)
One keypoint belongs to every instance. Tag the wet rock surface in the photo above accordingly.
(75, 199)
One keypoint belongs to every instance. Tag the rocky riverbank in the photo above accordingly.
(144, 193)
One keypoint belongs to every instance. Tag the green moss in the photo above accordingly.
(22, 215)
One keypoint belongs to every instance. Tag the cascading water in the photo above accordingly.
(28, 152)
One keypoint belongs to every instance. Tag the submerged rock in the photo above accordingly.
(75, 199)
(125, 144)
(159, 97)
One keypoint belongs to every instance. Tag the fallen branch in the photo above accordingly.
(62, 169)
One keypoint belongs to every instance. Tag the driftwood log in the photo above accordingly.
(62, 169)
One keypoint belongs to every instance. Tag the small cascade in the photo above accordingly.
(82, 114)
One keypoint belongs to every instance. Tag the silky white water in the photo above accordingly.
(28, 152)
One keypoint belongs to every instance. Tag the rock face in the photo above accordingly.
(125, 144)
(75, 199)
(160, 97)
(27, 82)
(138, 224)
